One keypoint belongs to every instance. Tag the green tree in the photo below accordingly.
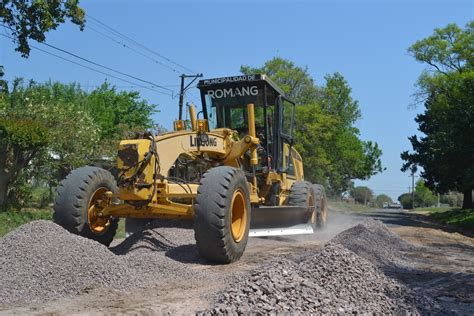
(57, 128)
(295, 81)
(313, 131)
(445, 150)
(406, 200)
(330, 145)
(21, 141)
(423, 196)
(336, 99)
(120, 115)
(68, 135)
(452, 199)
(32, 19)
(381, 199)
(3, 83)
(362, 194)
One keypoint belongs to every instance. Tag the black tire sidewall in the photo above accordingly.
(108, 235)
(212, 214)
(74, 194)
(238, 182)
(299, 195)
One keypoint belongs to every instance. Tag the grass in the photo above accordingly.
(10, 220)
(429, 210)
(454, 216)
(344, 206)
(121, 229)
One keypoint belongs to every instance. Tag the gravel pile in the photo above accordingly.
(41, 261)
(372, 240)
(332, 280)
(163, 250)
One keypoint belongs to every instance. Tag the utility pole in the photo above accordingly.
(413, 190)
(183, 89)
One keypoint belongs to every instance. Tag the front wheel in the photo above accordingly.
(222, 214)
(81, 197)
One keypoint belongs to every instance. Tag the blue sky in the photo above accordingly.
(366, 41)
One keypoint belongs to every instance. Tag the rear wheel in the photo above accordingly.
(302, 194)
(305, 194)
(81, 197)
(222, 214)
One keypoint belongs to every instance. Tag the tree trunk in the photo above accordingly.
(467, 201)
(3, 191)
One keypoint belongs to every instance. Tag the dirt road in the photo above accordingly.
(444, 270)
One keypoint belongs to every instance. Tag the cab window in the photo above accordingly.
(227, 107)
(288, 111)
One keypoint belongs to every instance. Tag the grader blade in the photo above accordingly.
(280, 221)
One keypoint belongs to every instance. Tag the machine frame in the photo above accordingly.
(219, 144)
(234, 173)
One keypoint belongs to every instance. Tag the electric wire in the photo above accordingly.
(108, 68)
(132, 49)
(93, 69)
(117, 33)
(102, 66)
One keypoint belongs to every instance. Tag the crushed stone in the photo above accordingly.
(332, 280)
(41, 261)
(372, 240)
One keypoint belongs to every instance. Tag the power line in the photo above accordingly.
(132, 49)
(111, 29)
(90, 68)
(108, 68)
(105, 67)
(116, 86)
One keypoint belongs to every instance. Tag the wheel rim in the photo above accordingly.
(238, 224)
(98, 224)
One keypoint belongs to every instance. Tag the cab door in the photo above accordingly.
(285, 136)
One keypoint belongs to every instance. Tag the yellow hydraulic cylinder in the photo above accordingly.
(193, 117)
(251, 121)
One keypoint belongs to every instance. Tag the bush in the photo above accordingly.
(12, 219)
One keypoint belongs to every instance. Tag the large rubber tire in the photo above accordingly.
(302, 194)
(74, 195)
(213, 214)
(321, 205)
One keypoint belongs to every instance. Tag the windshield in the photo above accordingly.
(227, 107)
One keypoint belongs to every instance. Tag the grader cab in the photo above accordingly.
(231, 168)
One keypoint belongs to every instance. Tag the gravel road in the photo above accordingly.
(45, 270)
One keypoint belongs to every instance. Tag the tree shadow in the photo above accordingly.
(188, 254)
(451, 292)
(398, 218)
(142, 240)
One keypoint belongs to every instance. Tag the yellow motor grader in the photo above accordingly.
(231, 169)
